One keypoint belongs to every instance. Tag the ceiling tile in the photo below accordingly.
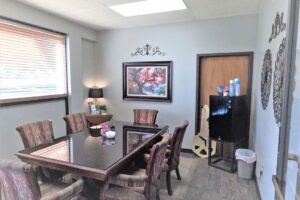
(204, 9)
(96, 13)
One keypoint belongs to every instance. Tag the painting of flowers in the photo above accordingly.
(135, 139)
(147, 81)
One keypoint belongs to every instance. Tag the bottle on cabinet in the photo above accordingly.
(237, 85)
(231, 88)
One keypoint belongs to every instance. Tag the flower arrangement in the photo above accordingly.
(101, 107)
(222, 90)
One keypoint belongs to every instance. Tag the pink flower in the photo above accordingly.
(105, 127)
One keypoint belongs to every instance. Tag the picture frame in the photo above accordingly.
(92, 108)
(147, 81)
(134, 137)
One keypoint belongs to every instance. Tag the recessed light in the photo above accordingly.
(148, 7)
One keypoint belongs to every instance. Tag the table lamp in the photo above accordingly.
(95, 93)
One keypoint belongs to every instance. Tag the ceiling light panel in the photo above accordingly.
(148, 7)
(117, 2)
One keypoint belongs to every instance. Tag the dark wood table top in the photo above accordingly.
(94, 157)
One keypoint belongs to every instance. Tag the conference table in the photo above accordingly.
(95, 157)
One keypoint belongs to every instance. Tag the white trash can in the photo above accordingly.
(245, 159)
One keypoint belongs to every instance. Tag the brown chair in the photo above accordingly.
(145, 116)
(172, 159)
(76, 122)
(37, 133)
(18, 181)
(138, 183)
(173, 154)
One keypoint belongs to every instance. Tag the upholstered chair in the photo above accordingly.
(138, 183)
(37, 133)
(76, 122)
(18, 181)
(145, 116)
(172, 157)
(173, 154)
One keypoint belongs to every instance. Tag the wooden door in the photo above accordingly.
(216, 70)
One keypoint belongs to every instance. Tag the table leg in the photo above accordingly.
(103, 189)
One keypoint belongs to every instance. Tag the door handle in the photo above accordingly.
(294, 157)
(277, 187)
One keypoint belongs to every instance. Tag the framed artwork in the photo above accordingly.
(280, 65)
(133, 137)
(147, 81)
(266, 79)
(92, 108)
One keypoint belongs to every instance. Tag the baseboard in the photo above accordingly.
(186, 150)
(257, 189)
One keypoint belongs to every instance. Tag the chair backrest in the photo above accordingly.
(36, 133)
(76, 122)
(155, 162)
(18, 181)
(145, 116)
(175, 145)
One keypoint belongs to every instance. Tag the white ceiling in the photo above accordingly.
(96, 13)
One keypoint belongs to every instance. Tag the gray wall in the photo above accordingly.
(12, 116)
(181, 42)
(264, 129)
(88, 65)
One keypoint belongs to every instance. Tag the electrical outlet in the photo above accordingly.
(260, 172)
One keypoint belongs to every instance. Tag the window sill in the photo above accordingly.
(7, 102)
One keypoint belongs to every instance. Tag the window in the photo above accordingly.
(32, 63)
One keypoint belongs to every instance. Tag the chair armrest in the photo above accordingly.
(147, 155)
(67, 193)
(17, 166)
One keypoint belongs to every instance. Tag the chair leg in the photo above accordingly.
(178, 174)
(157, 194)
(169, 187)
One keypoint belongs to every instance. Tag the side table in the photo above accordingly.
(97, 118)
(222, 161)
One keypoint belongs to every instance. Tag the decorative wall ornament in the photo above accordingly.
(147, 81)
(266, 79)
(278, 81)
(148, 50)
(278, 26)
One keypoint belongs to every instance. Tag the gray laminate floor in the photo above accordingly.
(202, 182)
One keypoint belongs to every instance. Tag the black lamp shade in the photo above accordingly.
(95, 93)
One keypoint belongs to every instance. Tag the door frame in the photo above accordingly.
(284, 130)
(198, 82)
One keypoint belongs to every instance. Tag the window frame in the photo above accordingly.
(35, 99)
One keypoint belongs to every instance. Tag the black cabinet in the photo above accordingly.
(229, 118)
(229, 127)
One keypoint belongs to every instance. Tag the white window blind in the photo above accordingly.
(32, 63)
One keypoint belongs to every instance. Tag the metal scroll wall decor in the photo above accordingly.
(277, 27)
(148, 50)
(278, 81)
(266, 79)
